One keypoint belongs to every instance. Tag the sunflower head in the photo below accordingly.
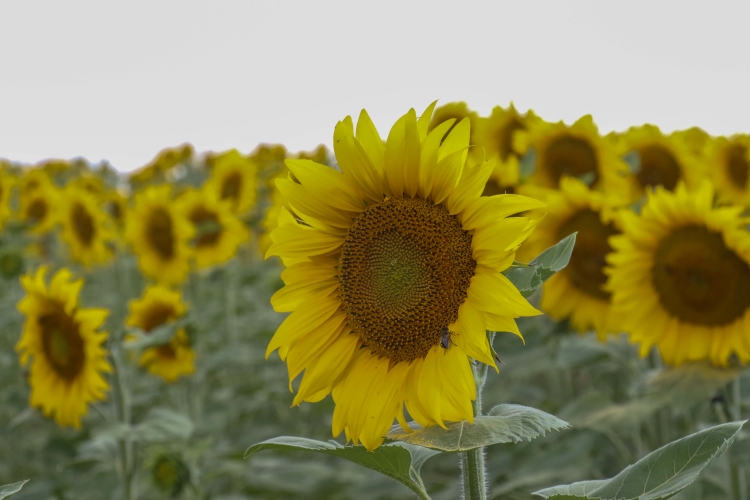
(62, 343)
(680, 275)
(86, 228)
(7, 182)
(39, 206)
(234, 178)
(385, 257)
(728, 162)
(170, 474)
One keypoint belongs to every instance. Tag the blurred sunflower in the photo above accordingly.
(495, 135)
(234, 178)
(33, 179)
(85, 226)
(64, 347)
(38, 206)
(218, 231)
(116, 205)
(577, 292)
(90, 183)
(159, 235)
(159, 168)
(456, 111)
(575, 151)
(695, 138)
(159, 306)
(680, 277)
(393, 253)
(7, 181)
(728, 161)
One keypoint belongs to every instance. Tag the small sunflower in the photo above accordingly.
(64, 346)
(728, 161)
(218, 230)
(159, 306)
(116, 205)
(391, 253)
(159, 168)
(7, 181)
(575, 151)
(38, 207)
(680, 277)
(234, 178)
(695, 138)
(90, 183)
(159, 235)
(577, 292)
(33, 179)
(85, 226)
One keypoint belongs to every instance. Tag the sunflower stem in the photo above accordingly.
(122, 408)
(473, 466)
(230, 302)
(737, 474)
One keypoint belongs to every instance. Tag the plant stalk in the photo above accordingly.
(737, 474)
(472, 462)
(125, 446)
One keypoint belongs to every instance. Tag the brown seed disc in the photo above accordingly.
(738, 165)
(208, 227)
(62, 343)
(159, 232)
(570, 155)
(83, 224)
(404, 270)
(658, 167)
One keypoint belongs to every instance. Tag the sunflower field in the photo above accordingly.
(466, 306)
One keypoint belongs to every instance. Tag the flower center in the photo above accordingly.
(698, 279)
(586, 268)
(157, 315)
(62, 343)
(738, 165)
(404, 270)
(207, 225)
(572, 156)
(231, 187)
(658, 168)
(37, 211)
(159, 233)
(83, 224)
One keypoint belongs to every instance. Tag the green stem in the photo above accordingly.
(737, 474)
(472, 461)
(230, 302)
(122, 408)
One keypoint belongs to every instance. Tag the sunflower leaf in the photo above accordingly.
(399, 461)
(505, 423)
(9, 489)
(633, 161)
(161, 335)
(529, 278)
(527, 164)
(660, 474)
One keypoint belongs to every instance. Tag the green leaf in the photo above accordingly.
(529, 278)
(162, 424)
(505, 423)
(160, 335)
(399, 461)
(660, 474)
(9, 489)
(527, 164)
(633, 160)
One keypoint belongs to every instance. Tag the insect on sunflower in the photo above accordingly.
(381, 257)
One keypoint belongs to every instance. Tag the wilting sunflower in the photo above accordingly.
(663, 160)
(398, 275)
(38, 207)
(7, 181)
(575, 151)
(728, 162)
(234, 178)
(64, 346)
(159, 235)
(218, 231)
(680, 277)
(158, 306)
(577, 292)
(86, 228)
(495, 136)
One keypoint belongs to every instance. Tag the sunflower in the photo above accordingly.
(33, 179)
(39, 205)
(159, 235)
(495, 136)
(85, 226)
(7, 181)
(159, 168)
(116, 205)
(160, 306)
(728, 159)
(577, 292)
(234, 178)
(680, 277)
(392, 254)
(663, 160)
(695, 138)
(64, 347)
(218, 230)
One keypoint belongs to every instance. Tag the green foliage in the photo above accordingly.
(9, 489)
(505, 423)
(528, 278)
(527, 164)
(660, 474)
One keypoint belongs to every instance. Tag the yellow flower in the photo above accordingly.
(234, 178)
(64, 347)
(218, 230)
(7, 181)
(577, 292)
(397, 275)
(116, 205)
(159, 235)
(90, 183)
(33, 179)
(162, 164)
(680, 277)
(728, 161)
(85, 226)
(663, 160)
(695, 138)
(318, 155)
(38, 206)
(160, 306)
(576, 151)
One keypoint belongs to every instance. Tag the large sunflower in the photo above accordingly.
(572, 150)
(728, 161)
(159, 235)
(65, 349)
(85, 226)
(234, 177)
(159, 306)
(393, 252)
(218, 230)
(577, 292)
(680, 277)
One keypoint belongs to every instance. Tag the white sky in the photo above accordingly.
(120, 81)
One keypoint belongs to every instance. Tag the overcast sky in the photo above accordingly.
(120, 81)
